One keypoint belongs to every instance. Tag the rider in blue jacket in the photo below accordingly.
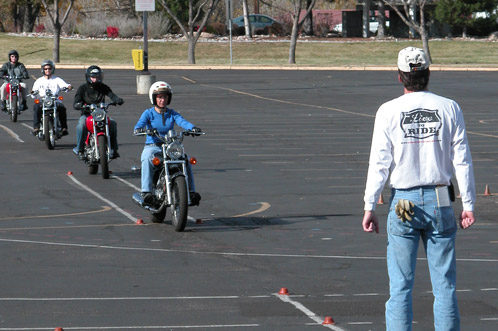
(163, 119)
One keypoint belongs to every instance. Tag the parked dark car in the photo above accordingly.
(257, 21)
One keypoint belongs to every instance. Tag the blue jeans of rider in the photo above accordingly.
(436, 228)
(148, 169)
(82, 132)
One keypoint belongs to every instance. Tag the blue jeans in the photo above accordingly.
(148, 169)
(82, 133)
(436, 226)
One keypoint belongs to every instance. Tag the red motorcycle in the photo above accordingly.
(98, 144)
(14, 97)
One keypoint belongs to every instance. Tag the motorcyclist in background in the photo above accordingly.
(94, 91)
(55, 84)
(13, 68)
(163, 119)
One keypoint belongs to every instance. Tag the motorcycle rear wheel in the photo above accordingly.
(179, 208)
(104, 163)
(48, 132)
(13, 109)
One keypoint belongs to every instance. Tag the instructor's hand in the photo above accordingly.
(466, 219)
(370, 223)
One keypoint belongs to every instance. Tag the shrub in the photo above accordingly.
(276, 29)
(92, 27)
(128, 27)
(217, 28)
(158, 25)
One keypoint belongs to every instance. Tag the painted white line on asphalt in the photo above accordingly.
(307, 312)
(127, 183)
(97, 195)
(165, 250)
(360, 323)
(125, 298)
(143, 327)
(490, 319)
(11, 133)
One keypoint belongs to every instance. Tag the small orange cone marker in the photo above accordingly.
(140, 221)
(381, 200)
(487, 191)
(69, 173)
(59, 329)
(328, 320)
(283, 291)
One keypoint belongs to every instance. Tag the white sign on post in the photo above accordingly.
(145, 5)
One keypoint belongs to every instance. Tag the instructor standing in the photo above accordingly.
(420, 138)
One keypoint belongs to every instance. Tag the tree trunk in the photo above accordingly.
(31, 15)
(293, 40)
(308, 21)
(191, 50)
(57, 38)
(247, 23)
(381, 18)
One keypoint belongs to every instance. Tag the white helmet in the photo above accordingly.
(160, 87)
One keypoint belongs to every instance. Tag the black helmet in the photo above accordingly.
(13, 52)
(94, 71)
(48, 63)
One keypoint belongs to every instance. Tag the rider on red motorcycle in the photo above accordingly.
(163, 119)
(94, 92)
(13, 68)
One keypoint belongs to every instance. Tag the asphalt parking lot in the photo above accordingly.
(281, 171)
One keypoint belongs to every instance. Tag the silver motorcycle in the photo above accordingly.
(171, 188)
(50, 127)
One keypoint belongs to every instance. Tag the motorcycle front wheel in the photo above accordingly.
(179, 208)
(104, 162)
(48, 132)
(13, 109)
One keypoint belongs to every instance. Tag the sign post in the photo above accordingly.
(144, 80)
(229, 14)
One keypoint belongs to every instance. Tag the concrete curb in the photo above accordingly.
(258, 67)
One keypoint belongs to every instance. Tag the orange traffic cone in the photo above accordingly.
(283, 291)
(328, 320)
(487, 192)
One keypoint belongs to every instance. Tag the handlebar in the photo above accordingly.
(154, 132)
(95, 106)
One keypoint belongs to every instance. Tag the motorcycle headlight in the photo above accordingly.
(99, 115)
(48, 102)
(174, 151)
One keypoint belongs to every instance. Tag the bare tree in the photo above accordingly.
(296, 25)
(197, 10)
(408, 17)
(57, 24)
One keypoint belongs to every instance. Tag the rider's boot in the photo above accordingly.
(3, 106)
(195, 198)
(24, 105)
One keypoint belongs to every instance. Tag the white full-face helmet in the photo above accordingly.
(160, 87)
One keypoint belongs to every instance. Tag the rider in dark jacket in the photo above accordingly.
(94, 92)
(13, 68)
